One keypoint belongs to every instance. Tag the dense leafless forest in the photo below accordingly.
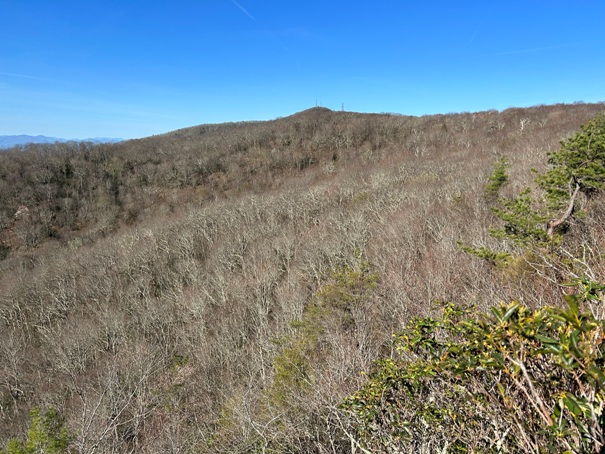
(153, 292)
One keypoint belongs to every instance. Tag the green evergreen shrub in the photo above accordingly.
(498, 178)
(580, 160)
(47, 434)
(332, 304)
(502, 382)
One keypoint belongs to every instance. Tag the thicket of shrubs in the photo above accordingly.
(516, 379)
(225, 288)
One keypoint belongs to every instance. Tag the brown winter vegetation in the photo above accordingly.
(223, 288)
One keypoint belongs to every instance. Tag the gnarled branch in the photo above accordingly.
(554, 223)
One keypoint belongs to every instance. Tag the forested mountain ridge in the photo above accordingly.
(222, 288)
(24, 139)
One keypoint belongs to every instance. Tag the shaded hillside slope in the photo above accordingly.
(149, 288)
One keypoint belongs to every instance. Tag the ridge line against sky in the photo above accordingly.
(133, 69)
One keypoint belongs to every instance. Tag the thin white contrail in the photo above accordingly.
(487, 14)
(474, 34)
(243, 10)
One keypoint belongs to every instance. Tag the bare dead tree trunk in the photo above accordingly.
(554, 223)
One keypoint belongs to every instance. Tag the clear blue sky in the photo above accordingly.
(121, 68)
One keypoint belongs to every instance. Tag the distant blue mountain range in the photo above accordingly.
(12, 141)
